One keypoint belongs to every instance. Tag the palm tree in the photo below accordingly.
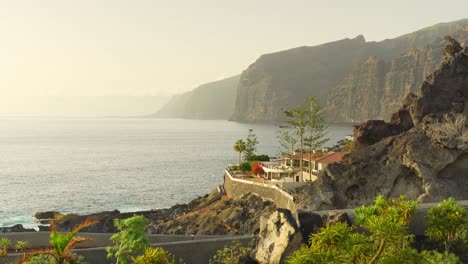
(62, 243)
(239, 147)
(21, 246)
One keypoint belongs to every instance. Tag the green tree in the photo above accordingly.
(250, 146)
(287, 141)
(21, 246)
(239, 147)
(62, 244)
(296, 119)
(316, 127)
(4, 244)
(130, 240)
(447, 222)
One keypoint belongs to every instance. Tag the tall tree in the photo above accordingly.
(316, 127)
(296, 119)
(287, 141)
(250, 146)
(239, 147)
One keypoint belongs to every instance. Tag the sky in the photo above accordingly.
(160, 48)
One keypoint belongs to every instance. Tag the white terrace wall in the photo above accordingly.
(238, 187)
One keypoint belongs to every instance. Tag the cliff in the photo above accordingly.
(213, 100)
(354, 79)
(421, 152)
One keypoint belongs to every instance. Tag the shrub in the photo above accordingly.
(447, 223)
(130, 241)
(245, 166)
(257, 168)
(434, 257)
(230, 255)
(259, 158)
(155, 256)
(388, 241)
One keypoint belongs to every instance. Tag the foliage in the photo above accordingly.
(130, 241)
(156, 256)
(332, 244)
(4, 244)
(447, 223)
(434, 257)
(257, 168)
(250, 146)
(41, 259)
(62, 244)
(230, 255)
(348, 144)
(245, 166)
(309, 126)
(287, 140)
(388, 241)
(316, 127)
(21, 246)
(262, 157)
(239, 147)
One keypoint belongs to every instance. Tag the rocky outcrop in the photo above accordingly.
(16, 228)
(409, 155)
(279, 237)
(223, 217)
(213, 100)
(356, 80)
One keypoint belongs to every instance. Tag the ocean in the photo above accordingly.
(86, 165)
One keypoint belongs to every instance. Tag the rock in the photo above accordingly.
(410, 159)
(309, 223)
(337, 217)
(279, 237)
(15, 228)
(50, 215)
(44, 228)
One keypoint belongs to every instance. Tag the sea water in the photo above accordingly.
(79, 165)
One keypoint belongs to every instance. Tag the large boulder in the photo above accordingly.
(279, 237)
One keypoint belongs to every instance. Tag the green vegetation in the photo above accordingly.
(250, 146)
(62, 244)
(130, 240)
(386, 238)
(447, 223)
(4, 244)
(131, 244)
(262, 157)
(156, 256)
(230, 255)
(239, 147)
(304, 125)
(245, 166)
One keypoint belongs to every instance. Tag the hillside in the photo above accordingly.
(213, 100)
(371, 73)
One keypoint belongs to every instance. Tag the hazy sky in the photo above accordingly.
(138, 47)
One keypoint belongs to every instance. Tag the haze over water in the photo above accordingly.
(91, 165)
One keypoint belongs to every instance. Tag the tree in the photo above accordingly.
(239, 147)
(21, 246)
(316, 127)
(4, 244)
(296, 119)
(287, 141)
(130, 241)
(447, 222)
(62, 244)
(250, 146)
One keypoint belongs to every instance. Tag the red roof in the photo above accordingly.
(330, 158)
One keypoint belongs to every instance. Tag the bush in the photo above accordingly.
(257, 168)
(259, 158)
(230, 255)
(447, 223)
(245, 166)
(156, 256)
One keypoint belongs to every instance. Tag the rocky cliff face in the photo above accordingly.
(355, 79)
(209, 101)
(420, 152)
